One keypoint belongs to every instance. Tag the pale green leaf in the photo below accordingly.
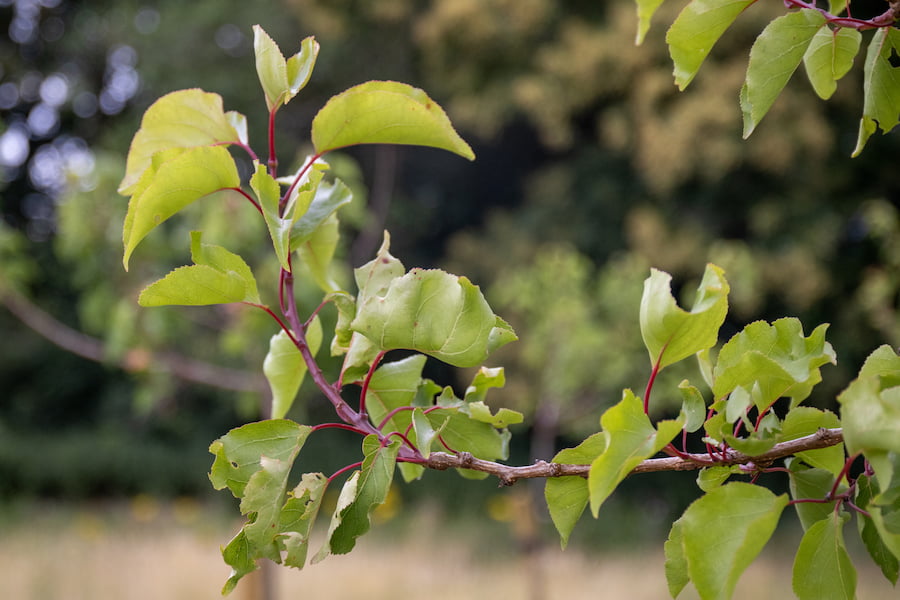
(346, 307)
(300, 66)
(424, 434)
(724, 531)
(881, 86)
(435, 313)
(324, 200)
(774, 57)
(218, 277)
(462, 433)
(285, 368)
(485, 379)
(696, 30)
(567, 497)
(298, 515)
(282, 79)
(268, 193)
(394, 385)
(317, 252)
(630, 439)
(811, 484)
(693, 406)
(182, 119)
(806, 420)
(709, 478)
(822, 567)
(385, 112)
(677, 576)
(773, 361)
(645, 10)
(174, 184)
(829, 57)
(672, 334)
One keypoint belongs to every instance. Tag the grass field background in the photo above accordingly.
(148, 550)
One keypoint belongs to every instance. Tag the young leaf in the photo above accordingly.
(881, 86)
(394, 385)
(317, 252)
(773, 361)
(484, 380)
(723, 531)
(805, 420)
(182, 119)
(373, 481)
(829, 57)
(285, 368)
(709, 478)
(696, 30)
(217, 277)
(567, 497)
(185, 177)
(463, 433)
(693, 406)
(325, 199)
(281, 80)
(822, 567)
(268, 193)
(775, 55)
(630, 438)
(645, 10)
(435, 313)
(385, 112)
(672, 334)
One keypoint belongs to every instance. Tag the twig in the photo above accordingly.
(823, 438)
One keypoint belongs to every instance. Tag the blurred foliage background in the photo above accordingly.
(591, 169)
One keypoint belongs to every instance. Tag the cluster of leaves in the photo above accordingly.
(182, 153)
(820, 38)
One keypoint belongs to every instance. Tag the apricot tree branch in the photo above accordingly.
(823, 438)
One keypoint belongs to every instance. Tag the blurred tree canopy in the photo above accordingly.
(591, 168)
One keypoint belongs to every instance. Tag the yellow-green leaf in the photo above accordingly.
(881, 86)
(829, 57)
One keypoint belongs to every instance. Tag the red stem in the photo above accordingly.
(273, 157)
(653, 374)
(344, 470)
(365, 385)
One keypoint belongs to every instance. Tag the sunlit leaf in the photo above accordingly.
(806, 420)
(829, 57)
(736, 520)
(281, 79)
(317, 251)
(881, 86)
(645, 10)
(325, 199)
(630, 439)
(774, 57)
(822, 567)
(182, 119)
(186, 177)
(773, 361)
(268, 193)
(285, 368)
(435, 313)
(672, 334)
(567, 497)
(696, 30)
(385, 112)
(693, 406)
(217, 277)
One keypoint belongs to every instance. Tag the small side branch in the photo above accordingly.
(823, 438)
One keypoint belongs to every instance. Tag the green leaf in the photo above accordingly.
(696, 30)
(424, 434)
(672, 334)
(829, 57)
(280, 79)
(394, 385)
(881, 86)
(298, 515)
(285, 368)
(709, 478)
(806, 420)
(630, 438)
(325, 199)
(485, 379)
(724, 531)
(822, 567)
(369, 488)
(268, 193)
(645, 10)
(317, 252)
(811, 484)
(693, 406)
(567, 497)
(870, 413)
(182, 178)
(773, 361)
(385, 112)
(182, 119)
(774, 57)
(677, 575)
(867, 488)
(466, 434)
(218, 277)
(435, 313)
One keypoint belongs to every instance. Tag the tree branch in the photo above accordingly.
(823, 438)
(134, 360)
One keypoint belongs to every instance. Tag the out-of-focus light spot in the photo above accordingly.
(54, 89)
(37, 206)
(78, 158)
(84, 105)
(46, 169)
(122, 56)
(122, 80)
(22, 30)
(146, 21)
(14, 146)
(30, 86)
(232, 40)
(49, 3)
(52, 29)
(43, 120)
(9, 95)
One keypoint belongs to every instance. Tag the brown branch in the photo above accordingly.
(134, 360)
(823, 438)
